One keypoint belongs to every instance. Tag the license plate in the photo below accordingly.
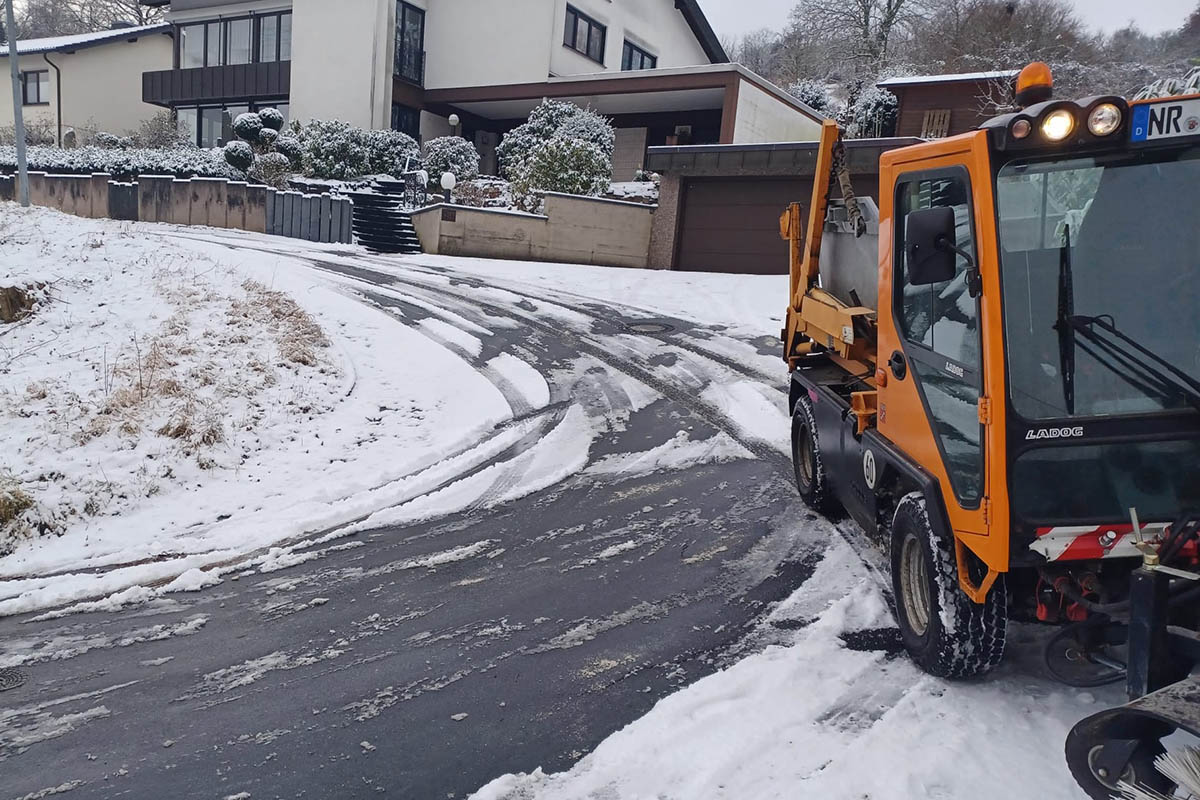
(1166, 120)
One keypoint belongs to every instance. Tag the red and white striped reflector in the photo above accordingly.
(1091, 542)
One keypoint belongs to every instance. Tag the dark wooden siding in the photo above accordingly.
(963, 99)
(172, 87)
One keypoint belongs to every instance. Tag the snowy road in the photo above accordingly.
(621, 536)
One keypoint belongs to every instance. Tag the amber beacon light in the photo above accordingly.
(1035, 84)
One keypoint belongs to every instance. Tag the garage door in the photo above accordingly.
(732, 224)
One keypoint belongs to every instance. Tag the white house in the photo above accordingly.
(654, 66)
(89, 82)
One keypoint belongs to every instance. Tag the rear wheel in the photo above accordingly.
(811, 480)
(945, 632)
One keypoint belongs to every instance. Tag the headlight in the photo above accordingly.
(1021, 129)
(1104, 119)
(1057, 125)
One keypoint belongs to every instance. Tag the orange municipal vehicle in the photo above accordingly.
(996, 371)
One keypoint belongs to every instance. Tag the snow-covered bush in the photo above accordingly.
(163, 131)
(240, 155)
(271, 118)
(390, 151)
(38, 131)
(871, 113)
(258, 141)
(815, 95)
(452, 154)
(552, 115)
(553, 118)
(291, 147)
(248, 126)
(516, 145)
(272, 169)
(569, 166)
(182, 162)
(590, 127)
(335, 149)
(106, 140)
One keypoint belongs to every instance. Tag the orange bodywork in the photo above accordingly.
(895, 406)
(902, 418)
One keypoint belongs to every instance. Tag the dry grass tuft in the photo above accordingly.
(14, 502)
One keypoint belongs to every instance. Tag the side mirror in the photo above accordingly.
(930, 246)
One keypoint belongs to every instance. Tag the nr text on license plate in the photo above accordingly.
(1166, 120)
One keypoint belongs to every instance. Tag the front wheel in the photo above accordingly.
(944, 631)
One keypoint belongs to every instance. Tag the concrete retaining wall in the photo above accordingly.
(214, 202)
(577, 230)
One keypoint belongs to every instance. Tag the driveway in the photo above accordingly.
(423, 660)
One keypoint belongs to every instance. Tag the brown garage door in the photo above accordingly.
(732, 224)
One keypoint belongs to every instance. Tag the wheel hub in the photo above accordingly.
(914, 584)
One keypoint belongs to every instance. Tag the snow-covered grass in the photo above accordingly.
(170, 406)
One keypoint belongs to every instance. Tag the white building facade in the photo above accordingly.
(86, 83)
(654, 66)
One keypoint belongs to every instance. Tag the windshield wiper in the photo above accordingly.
(1157, 374)
(1064, 326)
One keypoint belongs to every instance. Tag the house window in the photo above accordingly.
(238, 38)
(634, 57)
(213, 126)
(406, 120)
(285, 37)
(936, 124)
(35, 87)
(584, 35)
(262, 38)
(274, 37)
(410, 43)
(191, 46)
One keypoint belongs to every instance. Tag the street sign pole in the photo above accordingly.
(18, 101)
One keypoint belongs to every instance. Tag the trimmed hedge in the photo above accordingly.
(183, 162)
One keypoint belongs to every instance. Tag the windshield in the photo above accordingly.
(1132, 258)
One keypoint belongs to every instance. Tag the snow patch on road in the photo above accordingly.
(680, 452)
(456, 336)
(758, 411)
(524, 378)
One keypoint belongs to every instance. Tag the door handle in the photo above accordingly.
(899, 365)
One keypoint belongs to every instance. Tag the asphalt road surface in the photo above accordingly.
(379, 665)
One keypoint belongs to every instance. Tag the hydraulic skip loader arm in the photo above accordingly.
(815, 316)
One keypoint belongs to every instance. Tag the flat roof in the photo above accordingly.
(668, 81)
(915, 80)
(80, 41)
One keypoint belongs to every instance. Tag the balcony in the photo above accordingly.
(172, 87)
(410, 66)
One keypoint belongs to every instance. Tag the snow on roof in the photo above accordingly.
(1004, 74)
(80, 40)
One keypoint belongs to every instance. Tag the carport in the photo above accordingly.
(719, 205)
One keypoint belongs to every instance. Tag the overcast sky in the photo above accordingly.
(736, 17)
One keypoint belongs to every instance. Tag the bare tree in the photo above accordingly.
(757, 51)
(41, 18)
(864, 29)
